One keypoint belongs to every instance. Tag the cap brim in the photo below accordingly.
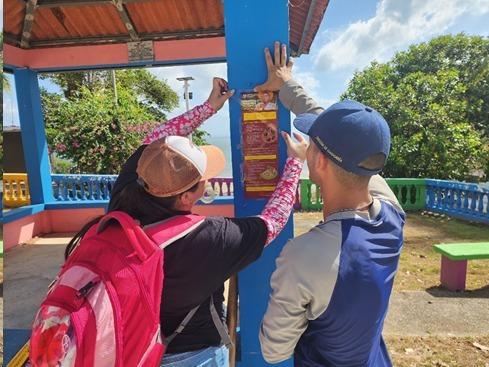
(216, 161)
(303, 122)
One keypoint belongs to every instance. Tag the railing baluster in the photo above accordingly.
(465, 200)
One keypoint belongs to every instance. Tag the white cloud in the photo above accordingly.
(396, 24)
(312, 85)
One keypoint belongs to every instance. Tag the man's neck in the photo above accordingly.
(343, 200)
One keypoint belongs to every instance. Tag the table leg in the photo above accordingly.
(453, 274)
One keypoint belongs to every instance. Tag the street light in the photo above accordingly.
(186, 95)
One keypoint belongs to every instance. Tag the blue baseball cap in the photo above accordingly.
(348, 133)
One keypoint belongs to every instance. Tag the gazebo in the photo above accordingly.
(74, 35)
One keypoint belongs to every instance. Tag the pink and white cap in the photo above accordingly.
(172, 165)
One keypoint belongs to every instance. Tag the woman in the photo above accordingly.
(166, 177)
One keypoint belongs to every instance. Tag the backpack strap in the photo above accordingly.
(143, 245)
(220, 326)
(168, 231)
(218, 323)
(180, 327)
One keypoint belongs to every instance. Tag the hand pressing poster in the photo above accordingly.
(260, 143)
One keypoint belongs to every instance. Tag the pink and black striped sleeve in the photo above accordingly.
(277, 211)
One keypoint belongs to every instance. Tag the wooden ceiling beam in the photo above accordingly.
(30, 9)
(124, 38)
(126, 19)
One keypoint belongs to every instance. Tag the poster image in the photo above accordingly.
(260, 143)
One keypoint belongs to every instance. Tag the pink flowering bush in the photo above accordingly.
(94, 134)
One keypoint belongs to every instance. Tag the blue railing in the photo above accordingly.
(82, 187)
(463, 200)
(459, 199)
(98, 187)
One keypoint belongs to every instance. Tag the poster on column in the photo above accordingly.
(260, 143)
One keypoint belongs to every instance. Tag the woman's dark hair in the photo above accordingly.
(134, 200)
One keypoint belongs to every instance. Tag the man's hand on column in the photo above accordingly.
(279, 70)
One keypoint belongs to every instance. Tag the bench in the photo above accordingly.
(454, 258)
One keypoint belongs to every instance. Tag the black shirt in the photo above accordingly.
(197, 265)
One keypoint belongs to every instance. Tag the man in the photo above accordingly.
(332, 285)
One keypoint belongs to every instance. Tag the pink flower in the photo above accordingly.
(76, 144)
(60, 147)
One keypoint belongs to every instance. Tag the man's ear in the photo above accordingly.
(318, 159)
(322, 162)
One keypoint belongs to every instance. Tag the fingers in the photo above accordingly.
(283, 56)
(299, 137)
(287, 138)
(261, 87)
(277, 53)
(224, 87)
(216, 87)
(268, 59)
(228, 94)
(219, 86)
(290, 64)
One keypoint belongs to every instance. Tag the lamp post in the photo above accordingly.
(186, 94)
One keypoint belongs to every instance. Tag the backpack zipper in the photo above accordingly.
(83, 292)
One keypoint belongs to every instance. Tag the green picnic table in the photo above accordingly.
(454, 258)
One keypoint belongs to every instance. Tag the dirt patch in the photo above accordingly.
(304, 221)
(438, 351)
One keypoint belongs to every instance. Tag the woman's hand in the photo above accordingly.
(220, 93)
(296, 149)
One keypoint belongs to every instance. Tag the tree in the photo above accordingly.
(84, 124)
(435, 97)
(469, 55)
(155, 95)
(92, 132)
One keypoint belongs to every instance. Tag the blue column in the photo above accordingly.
(33, 136)
(251, 26)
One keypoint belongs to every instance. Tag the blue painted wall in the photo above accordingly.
(251, 26)
(33, 136)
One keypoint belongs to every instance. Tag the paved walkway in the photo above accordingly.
(29, 269)
(422, 314)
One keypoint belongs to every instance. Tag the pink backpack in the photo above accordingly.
(103, 309)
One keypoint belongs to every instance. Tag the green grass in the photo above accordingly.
(419, 266)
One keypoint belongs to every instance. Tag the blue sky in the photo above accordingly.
(353, 34)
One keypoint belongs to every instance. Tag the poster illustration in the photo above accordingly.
(260, 143)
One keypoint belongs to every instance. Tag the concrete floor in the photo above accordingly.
(29, 269)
